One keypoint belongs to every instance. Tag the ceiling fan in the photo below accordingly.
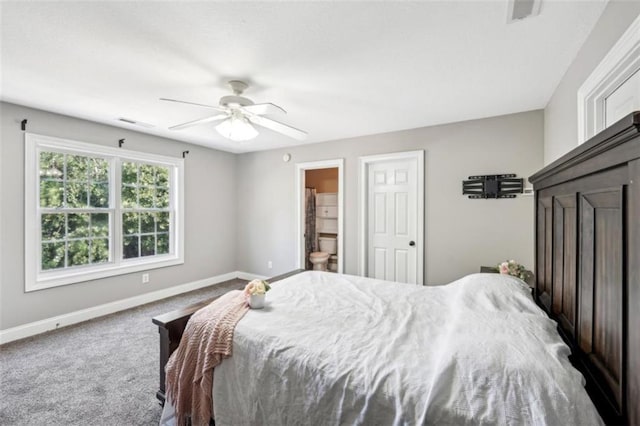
(240, 114)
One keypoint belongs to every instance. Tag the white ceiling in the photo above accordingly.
(340, 69)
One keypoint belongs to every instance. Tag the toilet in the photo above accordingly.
(319, 259)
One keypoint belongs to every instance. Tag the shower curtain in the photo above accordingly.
(310, 240)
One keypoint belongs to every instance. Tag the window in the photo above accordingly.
(95, 211)
(611, 91)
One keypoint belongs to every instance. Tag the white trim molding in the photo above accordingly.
(622, 61)
(301, 168)
(362, 208)
(59, 321)
(249, 276)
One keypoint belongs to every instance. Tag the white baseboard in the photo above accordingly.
(37, 327)
(249, 276)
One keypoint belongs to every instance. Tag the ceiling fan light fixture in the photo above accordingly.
(238, 115)
(237, 129)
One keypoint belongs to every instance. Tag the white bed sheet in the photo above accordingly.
(333, 349)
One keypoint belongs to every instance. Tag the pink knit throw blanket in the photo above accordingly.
(207, 339)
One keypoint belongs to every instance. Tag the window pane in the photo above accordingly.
(129, 197)
(129, 173)
(147, 223)
(163, 244)
(162, 198)
(98, 170)
(51, 193)
(51, 165)
(78, 252)
(163, 222)
(146, 196)
(76, 193)
(147, 174)
(100, 225)
(99, 250)
(52, 226)
(130, 247)
(99, 196)
(53, 255)
(162, 176)
(78, 225)
(130, 223)
(148, 245)
(77, 167)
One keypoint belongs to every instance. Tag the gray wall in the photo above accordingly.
(210, 222)
(240, 209)
(561, 113)
(461, 234)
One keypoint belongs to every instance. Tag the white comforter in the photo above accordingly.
(334, 349)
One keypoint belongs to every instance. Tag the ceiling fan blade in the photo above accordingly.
(199, 121)
(266, 108)
(193, 103)
(276, 126)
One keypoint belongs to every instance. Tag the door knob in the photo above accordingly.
(412, 243)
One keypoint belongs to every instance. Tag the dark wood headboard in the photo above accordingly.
(588, 262)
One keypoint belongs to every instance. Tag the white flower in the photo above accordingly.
(257, 287)
(511, 267)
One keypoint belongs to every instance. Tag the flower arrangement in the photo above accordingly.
(256, 287)
(512, 267)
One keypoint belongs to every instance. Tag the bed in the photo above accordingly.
(478, 350)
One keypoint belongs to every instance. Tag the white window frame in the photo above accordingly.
(622, 61)
(35, 278)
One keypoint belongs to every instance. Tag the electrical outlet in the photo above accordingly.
(145, 278)
(269, 264)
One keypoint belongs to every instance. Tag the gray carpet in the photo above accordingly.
(100, 372)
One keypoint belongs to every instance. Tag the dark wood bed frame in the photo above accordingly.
(588, 262)
(587, 266)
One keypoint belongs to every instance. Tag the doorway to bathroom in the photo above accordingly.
(320, 210)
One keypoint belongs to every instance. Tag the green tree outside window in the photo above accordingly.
(145, 223)
(69, 186)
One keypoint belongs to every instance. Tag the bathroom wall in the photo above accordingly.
(323, 180)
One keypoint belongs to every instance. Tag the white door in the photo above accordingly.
(394, 219)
